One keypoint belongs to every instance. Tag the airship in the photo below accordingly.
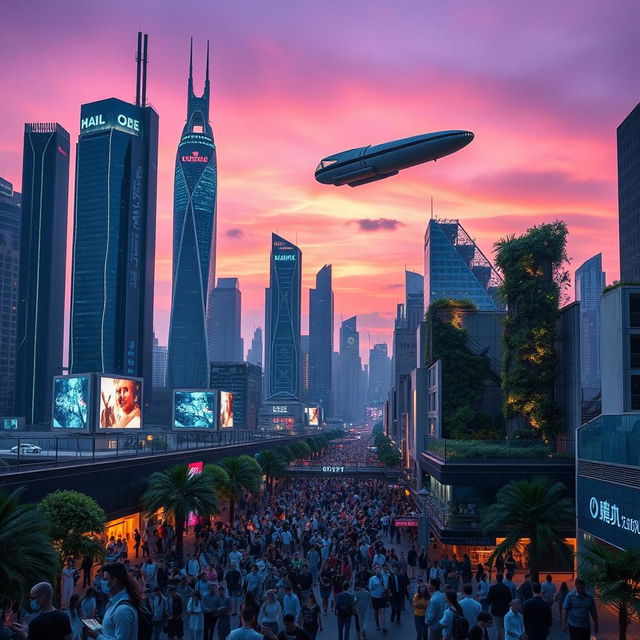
(380, 161)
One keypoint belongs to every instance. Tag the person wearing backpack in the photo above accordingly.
(345, 608)
(124, 618)
(454, 625)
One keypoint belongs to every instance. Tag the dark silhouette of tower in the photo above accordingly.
(321, 339)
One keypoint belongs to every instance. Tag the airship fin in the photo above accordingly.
(382, 176)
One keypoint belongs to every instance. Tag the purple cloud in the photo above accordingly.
(381, 224)
(234, 233)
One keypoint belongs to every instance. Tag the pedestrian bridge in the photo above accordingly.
(353, 470)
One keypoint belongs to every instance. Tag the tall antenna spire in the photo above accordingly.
(432, 207)
(207, 74)
(191, 61)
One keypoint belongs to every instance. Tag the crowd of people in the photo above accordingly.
(293, 558)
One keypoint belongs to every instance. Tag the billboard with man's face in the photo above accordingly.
(71, 402)
(313, 416)
(226, 409)
(120, 403)
(194, 409)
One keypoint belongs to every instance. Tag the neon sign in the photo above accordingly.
(610, 514)
(288, 257)
(195, 157)
(333, 469)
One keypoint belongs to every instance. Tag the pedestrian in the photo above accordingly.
(48, 623)
(88, 604)
(86, 565)
(510, 564)
(247, 632)
(397, 589)
(362, 599)
(537, 615)
(121, 616)
(210, 604)
(378, 588)
(270, 614)
(158, 613)
(311, 618)
(75, 617)
(435, 610)
(67, 582)
(291, 630)
(561, 596)
(420, 604)
(451, 617)
(195, 617)
(578, 610)
(175, 613)
(470, 606)
(412, 562)
(325, 587)
(549, 590)
(514, 622)
(224, 614)
(483, 592)
(498, 599)
(345, 610)
(480, 631)
(137, 538)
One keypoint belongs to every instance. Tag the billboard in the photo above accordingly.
(194, 409)
(120, 403)
(71, 402)
(11, 424)
(313, 416)
(226, 409)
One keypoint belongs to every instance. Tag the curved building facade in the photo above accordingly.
(194, 242)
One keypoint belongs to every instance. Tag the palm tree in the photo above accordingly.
(286, 453)
(537, 509)
(26, 550)
(179, 492)
(302, 449)
(615, 576)
(273, 465)
(245, 476)
(219, 476)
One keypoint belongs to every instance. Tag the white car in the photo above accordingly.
(26, 448)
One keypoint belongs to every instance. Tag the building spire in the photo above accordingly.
(191, 61)
(207, 74)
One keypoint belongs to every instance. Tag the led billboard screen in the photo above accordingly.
(71, 402)
(313, 416)
(10, 424)
(120, 403)
(194, 409)
(226, 409)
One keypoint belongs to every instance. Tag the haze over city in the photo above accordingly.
(542, 87)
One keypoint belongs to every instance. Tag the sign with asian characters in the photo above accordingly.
(407, 522)
(609, 513)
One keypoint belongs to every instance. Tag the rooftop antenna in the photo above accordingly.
(144, 71)
(191, 61)
(138, 63)
(206, 79)
(432, 207)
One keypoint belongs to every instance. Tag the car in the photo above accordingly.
(25, 447)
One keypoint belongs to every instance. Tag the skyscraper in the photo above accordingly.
(254, 354)
(351, 382)
(282, 316)
(590, 282)
(40, 333)
(194, 243)
(629, 196)
(9, 269)
(379, 374)
(321, 339)
(414, 299)
(114, 235)
(455, 267)
(159, 364)
(225, 341)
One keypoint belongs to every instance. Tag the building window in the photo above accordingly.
(635, 393)
(634, 350)
(634, 309)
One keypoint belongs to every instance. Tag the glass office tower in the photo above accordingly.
(194, 242)
(43, 242)
(282, 354)
(114, 236)
(454, 267)
(321, 339)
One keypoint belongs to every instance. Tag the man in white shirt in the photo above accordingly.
(470, 607)
(235, 557)
(291, 604)
(514, 623)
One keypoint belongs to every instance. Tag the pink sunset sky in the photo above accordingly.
(542, 85)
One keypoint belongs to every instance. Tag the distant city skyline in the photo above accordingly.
(562, 105)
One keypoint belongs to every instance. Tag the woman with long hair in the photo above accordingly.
(420, 604)
(453, 609)
(311, 619)
(325, 586)
(75, 617)
(270, 615)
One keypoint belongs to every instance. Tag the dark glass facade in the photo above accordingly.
(9, 269)
(321, 339)
(629, 196)
(40, 333)
(454, 267)
(225, 339)
(282, 353)
(194, 241)
(244, 380)
(114, 240)
(351, 379)
(414, 300)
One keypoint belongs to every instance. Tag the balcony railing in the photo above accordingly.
(35, 451)
(450, 450)
(449, 520)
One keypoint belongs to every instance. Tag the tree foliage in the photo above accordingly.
(273, 465)
(178, 492)
(463, 372)
(26, 552)
(615, 576)
(245, 476)
(388, 453)
(538, 510)
(533, 266)
(72, 517)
